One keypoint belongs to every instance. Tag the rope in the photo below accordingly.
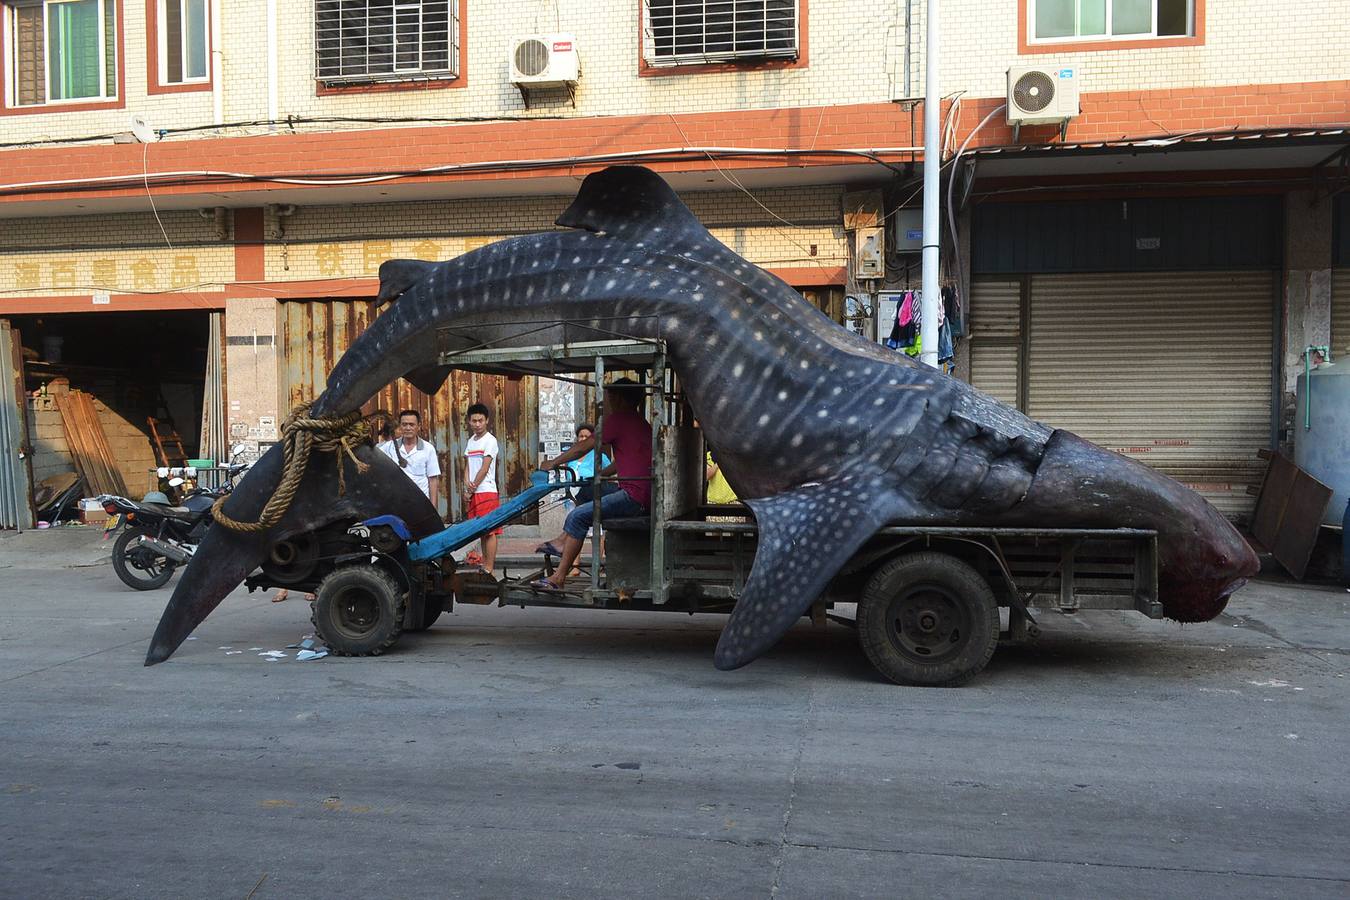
(300, 436)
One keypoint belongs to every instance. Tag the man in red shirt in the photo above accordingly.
(630, 437)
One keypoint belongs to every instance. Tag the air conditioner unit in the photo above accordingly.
(544, 61)
(1040, 95)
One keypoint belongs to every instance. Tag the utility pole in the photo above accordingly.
(932, 181)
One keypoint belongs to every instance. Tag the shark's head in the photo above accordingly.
(1202, 559)
(225, 557)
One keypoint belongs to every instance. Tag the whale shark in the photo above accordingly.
(825, 435)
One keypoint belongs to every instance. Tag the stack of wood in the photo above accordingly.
(88, 443)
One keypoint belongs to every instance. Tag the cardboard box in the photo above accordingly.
(93, 516)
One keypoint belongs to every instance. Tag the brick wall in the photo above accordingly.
(351, 241)
(118, 253)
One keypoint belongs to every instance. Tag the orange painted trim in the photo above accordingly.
(250, 261)
(1107, 116)
(152, 85)
(317, 289)
(1025, 47)
(811, 276)
(384, 87)
(120, 102)
(84, 303)
(646, 70)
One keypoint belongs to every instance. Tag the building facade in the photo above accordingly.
(1147, 273)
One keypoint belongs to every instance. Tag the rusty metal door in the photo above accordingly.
(313, 334)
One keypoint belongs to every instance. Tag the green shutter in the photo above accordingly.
(73, 39)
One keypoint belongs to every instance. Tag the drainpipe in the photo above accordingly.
(932, 172)
(273, 106)
(217, 67)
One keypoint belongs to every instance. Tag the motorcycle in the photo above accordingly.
(158, 536)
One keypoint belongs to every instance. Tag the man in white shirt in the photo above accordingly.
(480, 477)
(415, 456)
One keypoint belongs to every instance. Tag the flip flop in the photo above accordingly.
(543, 584)
(548, 549)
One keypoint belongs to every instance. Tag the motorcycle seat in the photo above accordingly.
(174, 512)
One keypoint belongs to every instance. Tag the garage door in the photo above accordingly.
(1340, 314)
(1171, 369)
(313, 334)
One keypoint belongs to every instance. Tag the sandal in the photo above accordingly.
(543, 584)
(548, 549)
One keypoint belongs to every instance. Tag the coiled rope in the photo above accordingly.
(302, 434)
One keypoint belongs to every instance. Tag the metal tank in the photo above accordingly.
(1322, 433)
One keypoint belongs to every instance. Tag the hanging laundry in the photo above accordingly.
(945, 350)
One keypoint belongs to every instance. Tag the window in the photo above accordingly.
(386, 40)
(183, 26)
(691, 32)
(1105, 20)
(60, 50)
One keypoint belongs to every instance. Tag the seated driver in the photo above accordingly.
(630, 437)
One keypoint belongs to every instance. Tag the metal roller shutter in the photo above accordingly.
(1340, 314)
(996, 338)
(1172, 369)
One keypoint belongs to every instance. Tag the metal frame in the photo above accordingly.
(588, 356)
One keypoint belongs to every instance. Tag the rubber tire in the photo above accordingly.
(337, 589)
(431, 611)
(128, 573)
(961, 585)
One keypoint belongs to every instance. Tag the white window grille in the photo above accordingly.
(386, 40)
(687, 32)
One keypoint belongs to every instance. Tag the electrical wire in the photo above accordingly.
(145, 175)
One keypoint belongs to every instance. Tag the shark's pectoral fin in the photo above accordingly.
(427, 379)
(397, 275)
(805, 536)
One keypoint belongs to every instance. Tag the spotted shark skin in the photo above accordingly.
(825, 435)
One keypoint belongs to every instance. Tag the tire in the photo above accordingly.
(431, 611)
(358, 611)
(138, 568)
(928, 619)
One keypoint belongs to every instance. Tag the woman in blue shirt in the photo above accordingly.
(584, 469)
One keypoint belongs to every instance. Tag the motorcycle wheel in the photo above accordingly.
(139, 568)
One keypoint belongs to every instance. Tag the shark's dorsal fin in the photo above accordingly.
(627, 200)
(397, 275)
(833, 519)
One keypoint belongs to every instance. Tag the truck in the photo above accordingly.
(930, 603)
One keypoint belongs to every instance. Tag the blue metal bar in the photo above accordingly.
(462, 534)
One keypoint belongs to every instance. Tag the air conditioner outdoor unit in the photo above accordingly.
(540, 61)
(1040, 95)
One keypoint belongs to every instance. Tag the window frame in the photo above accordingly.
(647, 69)
(8, 101)
(408, 79)
(1027, 43)
(156, 67)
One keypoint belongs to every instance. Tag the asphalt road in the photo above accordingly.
(539, 753)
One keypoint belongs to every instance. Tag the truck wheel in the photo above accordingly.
(431, 611)
(928, 619)
(139, 568)
(358, 611)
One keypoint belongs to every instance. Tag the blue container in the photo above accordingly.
(1322, 433)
